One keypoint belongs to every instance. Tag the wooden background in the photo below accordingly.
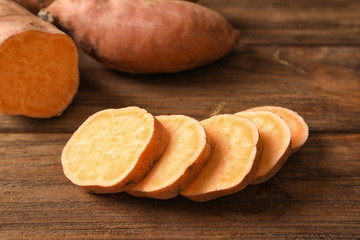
(300, 54)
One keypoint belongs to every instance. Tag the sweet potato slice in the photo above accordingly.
(276, 138)
(298, 127)
(38, 65)
(113, 149)
(234, 159)
(144, 36)
(182, 160)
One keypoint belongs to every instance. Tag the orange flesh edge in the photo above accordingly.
(234, 149)
(39, 74)
(298, 127)
(275, 135)
(187, 140)
(107, 146)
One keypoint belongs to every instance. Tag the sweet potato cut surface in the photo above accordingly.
(144, 36)
(113, 149)
(276, 136)
(234, 159)
(298, 127)
(38, 64)
(182, 160)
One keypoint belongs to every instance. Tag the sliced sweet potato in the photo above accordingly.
(113, 149)
(298, 127)
(182, 160)
(38, 65)
(234, 160)
(144, 36)
(276, 138)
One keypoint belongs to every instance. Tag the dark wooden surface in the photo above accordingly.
(304, 55)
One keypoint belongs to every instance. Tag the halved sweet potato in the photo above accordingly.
(234, 160)
(276, 138)
(298, 127)
(39, 74)
(182, 160)
(114, 149)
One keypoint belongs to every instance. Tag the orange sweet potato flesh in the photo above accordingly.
(145, 36)
(38, 65)
(33, 6)
(298, 127)
(276, 138)
(234, 159)
(181, 162)
(113, 150)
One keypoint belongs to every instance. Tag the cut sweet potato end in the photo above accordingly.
(107, 146)
(276, 136)
(298, 127)
(234, 158)
(188, 146)
(39, 74)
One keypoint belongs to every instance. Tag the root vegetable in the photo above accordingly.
(38, 65)
(276, 138)
(298, 127)
(33, 6)
(114, 149)
(145, 36)
(234, 160)
(183, 159)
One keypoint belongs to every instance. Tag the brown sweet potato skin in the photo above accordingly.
(34, 6)
(15, 19)
(145, 36)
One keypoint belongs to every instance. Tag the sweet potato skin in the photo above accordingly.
(34, 6)
(16, 20)
(145, 36)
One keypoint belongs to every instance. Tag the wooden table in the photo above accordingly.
(304, 55)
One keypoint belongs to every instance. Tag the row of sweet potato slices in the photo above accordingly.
(130, 150)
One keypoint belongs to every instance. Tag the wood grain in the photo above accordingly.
(293, 22)
(316, 193)
(304, 55)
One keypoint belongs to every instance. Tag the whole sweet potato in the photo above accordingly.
(145, 36)
(34, 6)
